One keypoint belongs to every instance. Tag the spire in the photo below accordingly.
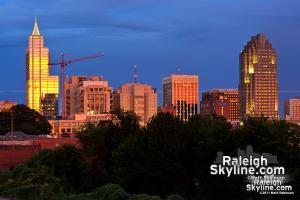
(35, 28)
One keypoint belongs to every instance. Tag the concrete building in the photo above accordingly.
(136, 97)
(87, 95)
(42, 89)
(182, 93)
(71, 85)
(222, 102)
(258, 79)
(72, 126)
(292, 110)
(6, 105)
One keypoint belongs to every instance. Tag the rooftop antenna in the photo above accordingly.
(135, 76)
(178, 71)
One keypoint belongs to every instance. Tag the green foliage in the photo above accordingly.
(144, 197)
(174, 197)
(168, 156)
(111, 192)
(32, 184)
(25, 119)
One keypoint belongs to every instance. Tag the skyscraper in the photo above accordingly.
(42, 89)
(258, 86)
(181, 92)
(137, 97)
(222, 102)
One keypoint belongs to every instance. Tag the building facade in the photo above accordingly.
(42, 89)
(136, 97)
(182, 93)
(72, 126)
(221, 102)
(258, 87)
(85, 94)
(6, 105)
(292, 110)
(93, 97)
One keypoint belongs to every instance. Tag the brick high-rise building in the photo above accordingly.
(42, 89)
(292, 110)
(258, 86)
(136, 97)
(181, 92)
(222, 102)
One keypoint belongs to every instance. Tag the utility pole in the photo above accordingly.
(12, 120)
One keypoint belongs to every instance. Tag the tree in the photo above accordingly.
(99, 143)
(25, 119)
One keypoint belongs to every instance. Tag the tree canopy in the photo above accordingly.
(24, 119)
(166, 157)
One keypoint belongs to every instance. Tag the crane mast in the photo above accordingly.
(63, 64)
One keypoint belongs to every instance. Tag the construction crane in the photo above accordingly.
(64, 63)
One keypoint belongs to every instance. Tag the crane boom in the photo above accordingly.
(68, 62)
(63, 63)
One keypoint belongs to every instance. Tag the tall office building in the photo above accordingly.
(137, 97)
(93, 97)
(258, 86)
(222, 102)
(42, 89)
(71, 86)
(181, 92)
(292, 110)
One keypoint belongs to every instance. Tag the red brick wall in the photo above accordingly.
(12, 155)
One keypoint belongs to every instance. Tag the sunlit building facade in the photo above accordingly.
(292, 110)
(221, 102)
(182, 93)
(42, 89)
(71, 88)
(136, 97)
(258, 79)
(6, 105)
(93, 97)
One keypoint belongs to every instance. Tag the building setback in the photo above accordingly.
(181, 93)
(292, 110)
(42, 89)
(136, 97)
(258, 85)
(221, 102)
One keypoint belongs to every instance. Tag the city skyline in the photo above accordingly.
(194, 52)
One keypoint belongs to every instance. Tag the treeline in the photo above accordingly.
(166, 157)
(22, 118)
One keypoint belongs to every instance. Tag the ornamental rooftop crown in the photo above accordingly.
(35, 28)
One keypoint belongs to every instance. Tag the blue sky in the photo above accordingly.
(201, 37)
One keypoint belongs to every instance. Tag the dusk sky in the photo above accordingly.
(202, 37)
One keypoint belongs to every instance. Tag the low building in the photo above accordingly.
(17, 148)
(71, 127)
(6, 105)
